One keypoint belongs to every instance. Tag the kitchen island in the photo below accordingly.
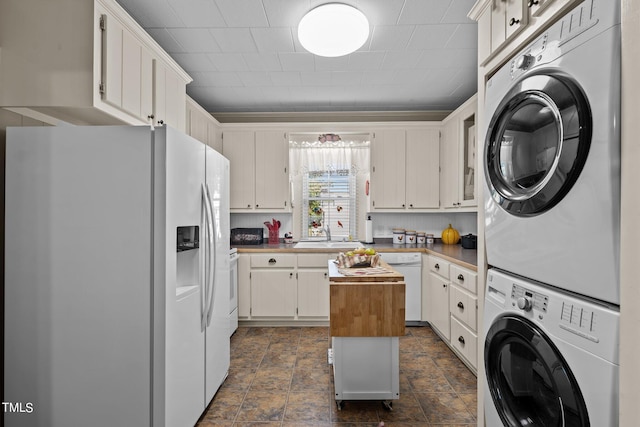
(367, 319)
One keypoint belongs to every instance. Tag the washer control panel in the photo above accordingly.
(528, 300)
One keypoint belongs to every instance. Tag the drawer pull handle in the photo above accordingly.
(460, 305)
(532, 3)
(461, 339)
(272, 261)
(513, 22)
(461, 277)
(437, 266)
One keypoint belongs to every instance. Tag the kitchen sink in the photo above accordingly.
(322, 244)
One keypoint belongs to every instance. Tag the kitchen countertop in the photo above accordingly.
(456, 253)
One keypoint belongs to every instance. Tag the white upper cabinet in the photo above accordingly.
(506, 25)
(458, 161)
(259, 170)
(89, 63)
(404, 169)
(203, 126)
(388, 155)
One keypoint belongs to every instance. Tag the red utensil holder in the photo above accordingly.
(273, 237)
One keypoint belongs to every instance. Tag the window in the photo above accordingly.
(329, 198)
(328, 176)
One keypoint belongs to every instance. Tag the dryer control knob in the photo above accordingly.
(524, 304)
(523, 62)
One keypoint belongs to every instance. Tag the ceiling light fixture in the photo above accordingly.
(333, 29)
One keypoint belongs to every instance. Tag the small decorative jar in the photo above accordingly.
(421, 238)
(410, 237)
(398, 236)
(429, 239)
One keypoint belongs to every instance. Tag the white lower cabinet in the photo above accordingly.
(452, 307)
(273, 285)
(287, 287)
(313, 286)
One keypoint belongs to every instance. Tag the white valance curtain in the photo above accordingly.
(313, 152)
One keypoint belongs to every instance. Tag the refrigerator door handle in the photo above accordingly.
(212, 272)
(207, 252)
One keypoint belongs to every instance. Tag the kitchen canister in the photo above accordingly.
(398, 236)
(410, 237)
(421, 237)
(429, 239)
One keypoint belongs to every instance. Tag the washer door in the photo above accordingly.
(530, 382)
(537, 143)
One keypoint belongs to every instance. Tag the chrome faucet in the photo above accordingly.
(326, 229)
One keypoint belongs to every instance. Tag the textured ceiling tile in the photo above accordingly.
(400, 59)
(262, 61)
(387, 37)
(285, 78)
(255, 78)
(234, 40)
(243, 13)
(285, 13)
(423, 11)
(366, 60)
(458, 11)
(381, 12)
(229, 61)
(431, 36)
(166, 40)
(273, 39)
(196, 40)
(194, 61)
(297, 61)
(464, 37)
(198, 13)
(331, 64)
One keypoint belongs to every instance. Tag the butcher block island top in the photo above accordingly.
(369, 303)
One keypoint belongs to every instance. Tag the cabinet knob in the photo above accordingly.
(513, 22)
(150, 116)
(257, 206)
(444, 285)
(460, 305)
(437, 266)
(461, 277)
(272, 261)
(290, 275)
(160, 122)
(410, 205)
(403, 205)
(249, 206)
(461, 339)
(533, 3)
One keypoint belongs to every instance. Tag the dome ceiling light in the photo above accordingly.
(333, 29)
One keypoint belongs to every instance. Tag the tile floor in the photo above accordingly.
(280, 377)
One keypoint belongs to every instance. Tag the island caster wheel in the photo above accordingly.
(388, 405)
(339, 405)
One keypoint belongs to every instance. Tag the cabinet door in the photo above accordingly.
(498, 23)
(137, 77)
(440, 317)
(239, 148)
(388, 157)
(273, 293)
(449, 165)
(313, 293)
(516, 17)
(112, 33)
(169, 97)
(271, 170)
(244, 286)
(423, 156)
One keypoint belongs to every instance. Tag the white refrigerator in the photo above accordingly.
(116, 276)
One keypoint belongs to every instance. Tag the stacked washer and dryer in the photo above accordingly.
(552, 227)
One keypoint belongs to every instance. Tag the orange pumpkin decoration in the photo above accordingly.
(450, 236)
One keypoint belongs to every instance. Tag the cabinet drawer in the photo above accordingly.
(273, 261)
(465, 341)
(463, 306)
(464, 278)
(313, 260)
(439, 266)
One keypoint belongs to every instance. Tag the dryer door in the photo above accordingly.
(537, 143)
(530, 382)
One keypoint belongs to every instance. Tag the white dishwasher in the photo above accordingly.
(409, 264)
